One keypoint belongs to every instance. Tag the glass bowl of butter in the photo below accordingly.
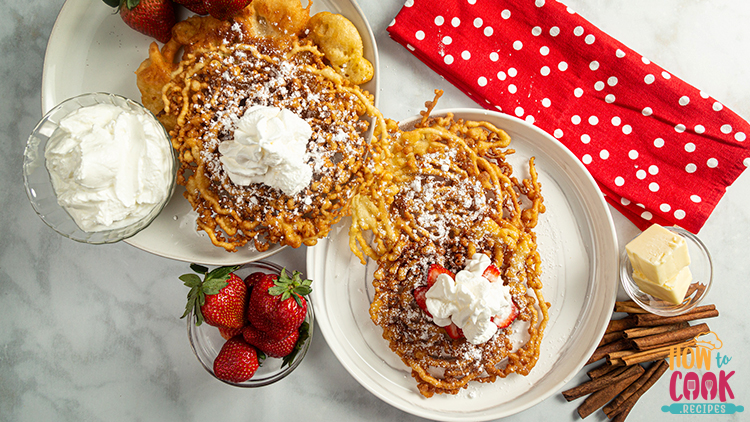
(666, 270)
(98, 168)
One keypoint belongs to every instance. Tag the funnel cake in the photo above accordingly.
(439, 194)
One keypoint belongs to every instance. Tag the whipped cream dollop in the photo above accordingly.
(109, 166)
(470, 301)
(268, 147)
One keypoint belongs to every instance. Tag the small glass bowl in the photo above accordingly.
(39, 186)
(206, 341)
(700, 266)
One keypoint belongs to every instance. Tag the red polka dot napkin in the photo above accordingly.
(661, 150)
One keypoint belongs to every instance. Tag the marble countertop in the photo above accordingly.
(93, 332)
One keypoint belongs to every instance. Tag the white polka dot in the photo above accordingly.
(619, 53)
(482, 81)
(627, 129)
(544, 70)
(439, 20)
(695, 198)
(409, 3)
(665, 207)
(576, 119)
(563, 66)
(455, 22)
(653, 170)
(498, 108)
(494, 56)
(466, 55)
(410, 47)
(684, 100)
(585, 138)
(658, 142)
(590, 38)
(512, 72)
(690, 147)
(746, 162)
(653, 187)
(539, 3)
(447, 40)
(546, 102)
(501, 75)
(448, 59)
(645, 61)
(393, 22)
(679, 128)
(740, 136)
(505, 14)
(646, 215)
(616, 121)
(712, 163)
(488, 31)
(599, 85)
(612, 81)
(419, 35)
(558, 133)
(512, 89)
(641, 174)
(691, 168)
(478, 23)
(530, 119)
(517, 45)
(619, 181)
(578, 31)
(544, 50)
(472, 1)
(633, 154)
(554, 31)
(649, 79)
(699, 129)
(578, 92)
(679, 214)
(717, 106)
(519, 111)
(665, 75)
(647, 111)
(704, 95)
(609, 98)
(625, 201)
(586, 159)
(604, 154)
(536, 31)
(594, 65)
(726, 129)
(593, 120)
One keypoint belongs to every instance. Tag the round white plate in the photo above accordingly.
(578, 246)
(91, 49)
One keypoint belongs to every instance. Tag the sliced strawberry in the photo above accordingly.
(492, 274)
(503, 323)
(420, 295)
(453, 331)
(434, 271)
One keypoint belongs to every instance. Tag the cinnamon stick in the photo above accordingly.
(701, 312)
(647, 331)
(630, 307)
(613, 407)
(652, 341)
(610, 337)
(620, 324)
(599, 398)
(627, 405)
(595, 384)
(601, 370)
(655, 354)
(602, 351)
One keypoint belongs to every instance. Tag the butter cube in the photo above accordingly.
(658, 254)
(672, 291)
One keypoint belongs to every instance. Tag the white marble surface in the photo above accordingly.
(93, 332)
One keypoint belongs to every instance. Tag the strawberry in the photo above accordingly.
(154, 18)
(453, 331)
(195, 6)
(271, 347)
(219, 299)
(434, 271)
(420, 295)
(237, 361)
(228, 333)
(277, 305)
(492, 274)
(252, 279)
(225, 9)
(503, 323)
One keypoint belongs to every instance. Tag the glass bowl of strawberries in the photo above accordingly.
(249, 325)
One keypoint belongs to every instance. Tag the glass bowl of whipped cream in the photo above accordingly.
(98, 168)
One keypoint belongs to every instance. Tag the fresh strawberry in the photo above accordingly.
(434, 271)
(225, 9)
(271, 347)
(503, 323)
(219, 299)
(237, 361)
(154, 18)
(420, 295)
(252, 279)
(195, 6)
(228, 333)
(492, 274)
(277, 305)
(453, 331)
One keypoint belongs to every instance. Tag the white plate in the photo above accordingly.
(91, 49)
(578, 246)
